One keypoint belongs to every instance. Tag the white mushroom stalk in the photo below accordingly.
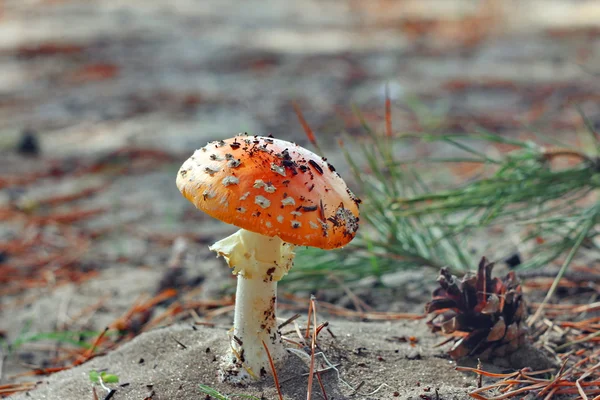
(259, 262)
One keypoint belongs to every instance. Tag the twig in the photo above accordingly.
(321, 384)
(307, 334)
(68, 217)
(582, 340)
(302, 354)
(359, 304)
(518, 391)
(90, 352)
(573, 276)
(1, 363)
(584, 376)
(550, 154)
(344, 312)
(356, 389)
(312, 348)
(377, 389)
(582, 235)
(289, 321)
(486, 373)
(275, 378)
(333, 367)
(388, 112)
(11, 388)
(56, 200)
(320, 327)
(309, 132)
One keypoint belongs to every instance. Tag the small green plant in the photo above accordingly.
(219, 396)
(103, 377)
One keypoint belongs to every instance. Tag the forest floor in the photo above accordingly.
(118, 94)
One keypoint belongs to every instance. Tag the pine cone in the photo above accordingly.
(484, 316)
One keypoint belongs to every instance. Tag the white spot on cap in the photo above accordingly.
(268, 224)
(279, 169)
(208, 194)
(288, 201)
(230, 180)
(280, 219)
(313, 225)
(234, 163)
(297, 213)
(241, 210)
(268, 186)
(211, 170)
(296, 224)
(245, 196)
(262, 201)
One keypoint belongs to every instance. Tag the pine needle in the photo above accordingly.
(273, 370)
(309, 132)
(588, 225)
(388, 112)
(313, 345)
(540, 191)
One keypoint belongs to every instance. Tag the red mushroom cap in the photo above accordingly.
(271, 187)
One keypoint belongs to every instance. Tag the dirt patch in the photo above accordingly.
(367, 353)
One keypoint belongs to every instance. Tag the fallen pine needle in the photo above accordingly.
(312, 347)
(275, 378)
(307, 130)
(11, 388)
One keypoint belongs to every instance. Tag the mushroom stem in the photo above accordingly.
(259, 261)
(255, 323)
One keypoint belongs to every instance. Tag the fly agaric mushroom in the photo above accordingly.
(280, 195)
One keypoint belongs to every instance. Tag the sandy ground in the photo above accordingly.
(369, 353)
(96, 76)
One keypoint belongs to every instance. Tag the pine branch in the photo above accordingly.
(410, 224)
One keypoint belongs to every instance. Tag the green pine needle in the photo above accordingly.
(407, 223)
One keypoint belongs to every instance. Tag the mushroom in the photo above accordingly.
(281, 196)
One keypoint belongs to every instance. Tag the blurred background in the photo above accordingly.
(92, 76)
(102, 100)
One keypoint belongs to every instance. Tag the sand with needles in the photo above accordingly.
(171, 363)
